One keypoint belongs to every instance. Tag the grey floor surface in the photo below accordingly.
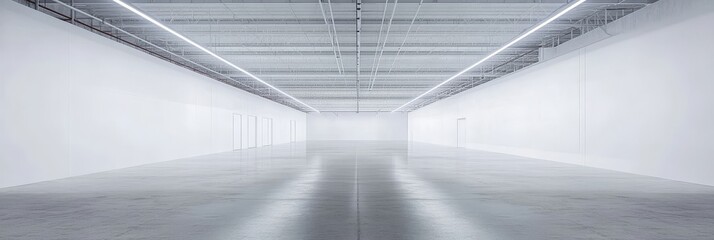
(358, 190)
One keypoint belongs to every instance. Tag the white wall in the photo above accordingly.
(640, 101)
(357, 126)
(73, 102)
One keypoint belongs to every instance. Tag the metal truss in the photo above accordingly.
(320, 51)
(598, 18)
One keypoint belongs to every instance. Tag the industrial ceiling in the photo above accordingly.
(310, 49)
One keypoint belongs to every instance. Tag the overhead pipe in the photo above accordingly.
(332, 39)
(358, 27)
(399, 50)
(379, 59)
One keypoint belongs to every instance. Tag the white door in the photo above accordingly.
(252, 131)
(266, 132)
(237, 132)
(460, 132)
(293, 135)
(270, 131)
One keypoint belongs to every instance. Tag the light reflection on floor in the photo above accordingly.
(358, 190)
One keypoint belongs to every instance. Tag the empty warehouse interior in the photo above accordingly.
(356, 119)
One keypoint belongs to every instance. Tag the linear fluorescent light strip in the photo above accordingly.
(157, 23)
(514, 41)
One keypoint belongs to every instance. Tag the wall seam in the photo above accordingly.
(582, 78)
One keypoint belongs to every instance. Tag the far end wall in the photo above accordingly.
(357, 126)
(640, 101)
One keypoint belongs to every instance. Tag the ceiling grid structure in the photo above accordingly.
(321, 51)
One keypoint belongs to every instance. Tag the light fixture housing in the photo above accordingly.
(159, 24)
(565, 10)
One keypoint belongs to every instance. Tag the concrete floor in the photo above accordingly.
(358, 190)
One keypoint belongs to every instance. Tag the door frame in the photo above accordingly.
(293, 131)
(460, 130)
(266, 132)
(240, 131)
(254, 130)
